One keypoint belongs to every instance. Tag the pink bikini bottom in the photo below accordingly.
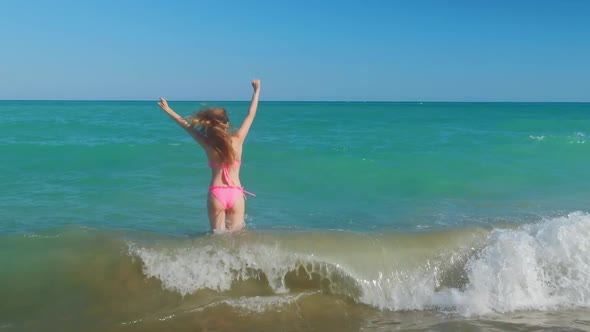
(228, 195)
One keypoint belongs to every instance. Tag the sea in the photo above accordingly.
(368, 216)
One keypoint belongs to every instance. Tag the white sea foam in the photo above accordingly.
(535, 267)
(190, 269)
(578, 138)
(538, 266)
(259, 304)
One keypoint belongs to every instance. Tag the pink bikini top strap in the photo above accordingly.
(226, 176)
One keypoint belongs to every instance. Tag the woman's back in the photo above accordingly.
(220, 169)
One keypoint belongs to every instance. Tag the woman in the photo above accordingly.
(211, 129)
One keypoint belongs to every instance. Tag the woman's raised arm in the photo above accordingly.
(181, 121)
(243, 131)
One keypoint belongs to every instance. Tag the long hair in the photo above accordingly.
(213, 125)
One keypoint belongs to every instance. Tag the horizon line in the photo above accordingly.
(303, 101)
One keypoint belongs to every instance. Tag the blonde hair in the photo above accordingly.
(213, 125)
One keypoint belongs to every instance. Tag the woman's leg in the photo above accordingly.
(236, 215)
(216, 213)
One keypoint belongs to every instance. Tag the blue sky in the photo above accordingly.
(301, 50)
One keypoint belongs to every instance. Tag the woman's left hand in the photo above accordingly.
(163, 104)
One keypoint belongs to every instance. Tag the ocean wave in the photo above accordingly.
(538, 266)
(188, 270)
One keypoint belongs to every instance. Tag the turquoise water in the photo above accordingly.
(351, 166)
(371, 209)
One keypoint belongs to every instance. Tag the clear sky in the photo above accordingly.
(301, 50)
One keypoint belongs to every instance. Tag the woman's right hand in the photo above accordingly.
(256, 85)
